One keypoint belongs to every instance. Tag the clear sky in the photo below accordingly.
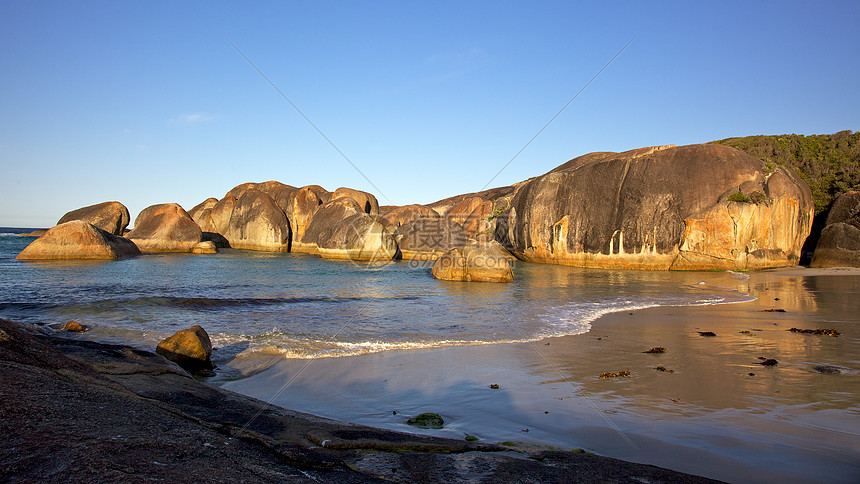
(148, 102)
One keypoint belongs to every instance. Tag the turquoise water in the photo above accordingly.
(306, 307)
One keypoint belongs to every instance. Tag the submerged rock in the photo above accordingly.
(78, 240)
(427, 421)
(830, 369)
(189, 348)
(74, 327)
(165, 228)
(112, 217)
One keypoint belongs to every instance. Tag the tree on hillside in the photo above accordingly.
(830, 163)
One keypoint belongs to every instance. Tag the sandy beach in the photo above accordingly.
(712, 410)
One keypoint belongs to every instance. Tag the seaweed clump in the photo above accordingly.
(656, 350)
(622, 373)
(824, 332)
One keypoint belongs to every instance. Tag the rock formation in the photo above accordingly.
(78, 240)
(839, 245)
(165, 228)
(359, 237)
(428, 237)
(257, 223)
(698, 207)
(304, 205)
(189, 348)
(475, 263)
(325, 217)
(205, 247)
(399, 216)
(111, 217)
(202, 215)
(366, 201)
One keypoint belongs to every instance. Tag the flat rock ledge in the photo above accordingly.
(78, 411)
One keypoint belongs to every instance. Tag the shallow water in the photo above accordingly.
(273, 316)
(303, 306)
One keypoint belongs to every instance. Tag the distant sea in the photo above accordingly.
(302, 306)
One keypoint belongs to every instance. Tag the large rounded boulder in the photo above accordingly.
(202, 215)
(304, 205)
(366, 201)
(111, 217)
(698, 207)
(428, 237)
(839, 245)
(189, 348)
(165, 228)
(474, 263)
(326, 217)
(360, 237)
(398, 216)
(258, 223)
(78, 240)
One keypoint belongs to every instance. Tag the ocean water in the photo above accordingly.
(302, 306)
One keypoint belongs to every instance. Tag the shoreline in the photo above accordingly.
(705, 415)
(77, 411)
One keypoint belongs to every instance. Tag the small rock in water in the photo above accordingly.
(775, 310)
(664, 369)
(829, 369)
(74, 327)
(707, 333)
(189, 348)
(494, 386)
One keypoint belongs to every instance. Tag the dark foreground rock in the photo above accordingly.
(839, 245)
(78, 411)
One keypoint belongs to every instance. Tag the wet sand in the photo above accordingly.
(715, 412)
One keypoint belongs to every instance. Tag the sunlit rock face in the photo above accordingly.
(112, 217)
(166, 227)
(697, 207)
(78, 240)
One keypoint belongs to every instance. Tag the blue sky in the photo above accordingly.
(148, 102)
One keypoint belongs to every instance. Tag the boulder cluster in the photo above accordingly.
(698, 207)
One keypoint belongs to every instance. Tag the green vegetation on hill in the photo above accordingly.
(829, 163)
